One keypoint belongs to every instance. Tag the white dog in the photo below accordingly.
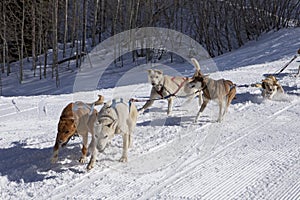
(167, 87)
(116, 117)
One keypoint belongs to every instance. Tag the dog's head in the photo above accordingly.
(198, 80)
(66, 129)
(270, 87)
(156, 78)
(104, 132)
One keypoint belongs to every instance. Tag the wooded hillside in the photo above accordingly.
(29, 28)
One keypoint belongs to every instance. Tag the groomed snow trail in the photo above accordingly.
(204, 162)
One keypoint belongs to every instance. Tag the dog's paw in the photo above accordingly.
(54, 159)
(90, 165)
(219, 120)
(82, 159)
(141, 111)
(123, 159)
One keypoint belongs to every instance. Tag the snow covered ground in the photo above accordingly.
(253, 154)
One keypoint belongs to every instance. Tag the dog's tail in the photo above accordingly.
(99, 101)
(133, 110)
(196, 64)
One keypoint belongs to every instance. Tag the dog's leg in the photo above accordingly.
(203, 106)
(280, 88)
(227, 100)
(221, 102)
(55, 153)
(146, 106)
(170, 105)
(84, 147)
(200, 99)
(129, 141)
(130, 127)
(93, 152)
(230, 97)
(153, 95)
(125, 148)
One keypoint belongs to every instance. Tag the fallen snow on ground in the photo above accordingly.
(253, 154)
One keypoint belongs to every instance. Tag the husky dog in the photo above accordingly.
(223, 91)
(271, 87)
(167, 87)
(116, 117)
(77, 119)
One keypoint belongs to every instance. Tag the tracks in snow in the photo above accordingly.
(188, 167)
(173, 169)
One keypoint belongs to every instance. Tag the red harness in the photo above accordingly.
(179, 87)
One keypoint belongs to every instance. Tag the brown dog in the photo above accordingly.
(271, 87)
(77, 118)
(223, 91)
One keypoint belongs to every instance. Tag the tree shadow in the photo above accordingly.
(21, 163)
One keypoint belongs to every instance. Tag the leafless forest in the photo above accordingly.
(28, 28)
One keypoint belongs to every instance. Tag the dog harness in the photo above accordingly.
(171, 94)
(85, 106)
(113, 106)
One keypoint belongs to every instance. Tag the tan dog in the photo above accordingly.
(77, 118)
(167, 87)
(116, 117)
(223, 91)
(271, 87)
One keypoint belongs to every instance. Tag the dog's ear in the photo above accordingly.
(205, 77)
(149, 71)
(274, 79)
(159, 71)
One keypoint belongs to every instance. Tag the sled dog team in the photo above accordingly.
(119, 116)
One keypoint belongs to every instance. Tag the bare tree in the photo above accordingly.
(66, 27)
(3, 36)
(22, 42)
(95, 21)
(84, 23)
(55, 42)
(33, 22)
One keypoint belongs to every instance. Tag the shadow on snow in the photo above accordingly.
(22, 164)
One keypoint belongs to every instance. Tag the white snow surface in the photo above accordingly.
(253, 154)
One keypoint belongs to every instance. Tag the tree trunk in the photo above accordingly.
(3, 37)
(33, 37)
(94, 28)
(74, 23)
(40, 37)
(22, 42)
(45, 53)
(55, 47)
(66, 28)
(113, 32)
(84, 22)
(102, 19)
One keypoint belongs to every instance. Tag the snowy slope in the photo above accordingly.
(253, 154)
